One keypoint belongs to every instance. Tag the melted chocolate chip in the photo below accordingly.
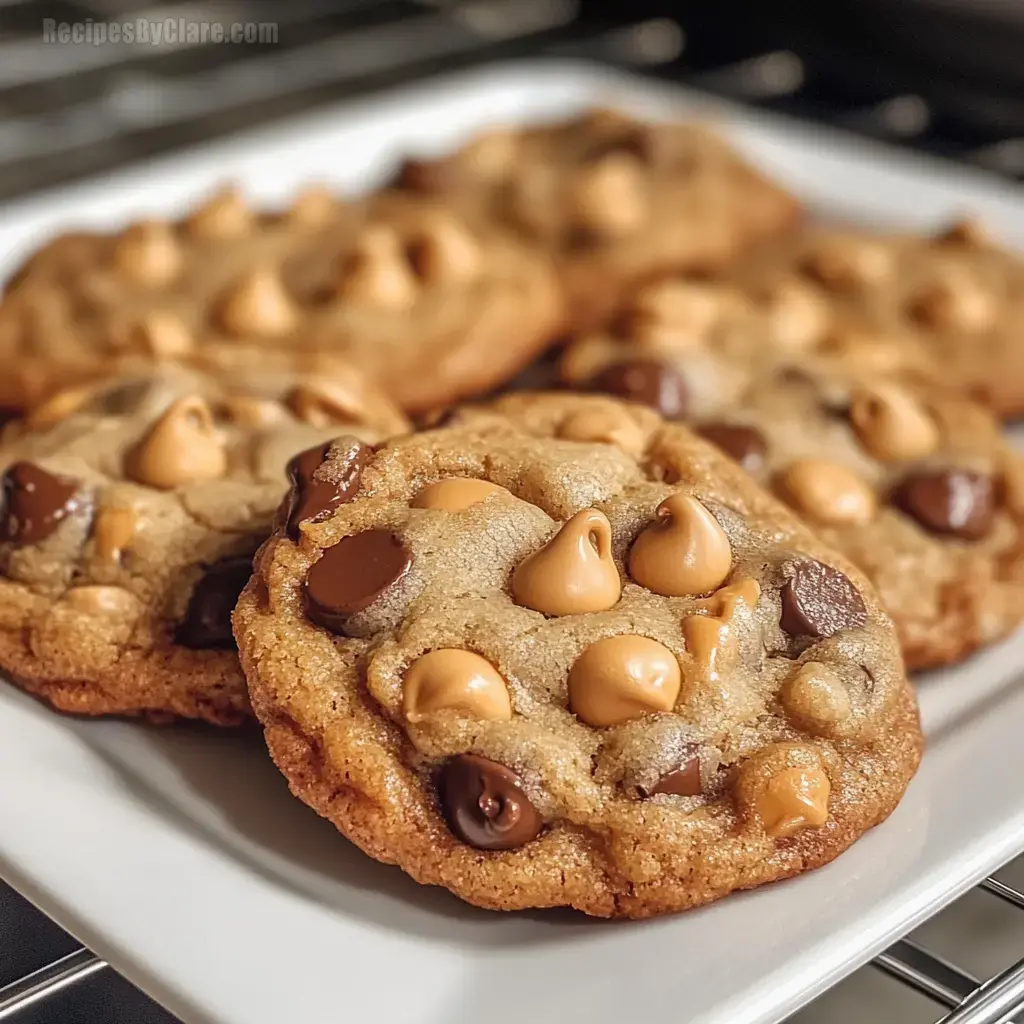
(485, 804)
(744, 444)
(351, 575)
(647, 381)
(207, 623)
(317, 492)
(681, 781)
(818, 601)
(949, 502)
(35, 503)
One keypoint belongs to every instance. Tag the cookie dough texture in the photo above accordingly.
(612, 198)
(913, 481)
(945, 308)
(130, 513)
(519, 693)
(430, 304)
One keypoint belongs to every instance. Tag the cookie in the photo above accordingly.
(946, 308)
(429, 304)
(913, 483)
(582, 661)
(130, 513)
(612, 198)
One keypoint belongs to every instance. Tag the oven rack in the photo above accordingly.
(997, 1000)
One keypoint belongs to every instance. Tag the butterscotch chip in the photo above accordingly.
(622, 678)
(183, 447)
(58, 406)
(378, 273)
(148, 255)
(247, 411)
(956, 302)
(608, 199)
(130, 520)
(786, 789)
(793, 800)
(431, 302)
(224, 215)
(891, 424)
(456, 494)
(314, 206)
(450, 680)
(446, 253)
(849, 263)
(608, 425)
(683, 552)
(338, 400)
(113, 532)
(827, 492)
(574, 572)
(258, 306)
(163, 335)
(456, 663)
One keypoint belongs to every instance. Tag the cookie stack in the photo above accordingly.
(626, 645)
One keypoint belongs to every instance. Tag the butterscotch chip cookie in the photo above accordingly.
(608, 672)
(130, 512)
(613, 198)
(913, 482)
(431, 304)
(956, 296)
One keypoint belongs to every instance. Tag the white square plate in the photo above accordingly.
(179, 856)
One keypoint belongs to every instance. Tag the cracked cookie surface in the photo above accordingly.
(130, 512)
(573, 656)
(614, 199)
(913, 482)
(431, 305)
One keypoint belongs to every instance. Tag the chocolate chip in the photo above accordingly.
(647, 381)
(744, 444)
(681, 781)
(818, 600)
(433, 177)
(35, 503)
(351, 575)
(207, 623)
(485, 804)
(317, 491)
(949, 502)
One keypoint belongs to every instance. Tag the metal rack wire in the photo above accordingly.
(81, 111)
(968, 1000)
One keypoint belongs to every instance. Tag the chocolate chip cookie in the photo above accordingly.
(130, 512)
(582, 659)
(614, 199)
(914, 484)
(431, 304)
(947, 307)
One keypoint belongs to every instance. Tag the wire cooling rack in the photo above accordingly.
(968, 1000)
(80, 110)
